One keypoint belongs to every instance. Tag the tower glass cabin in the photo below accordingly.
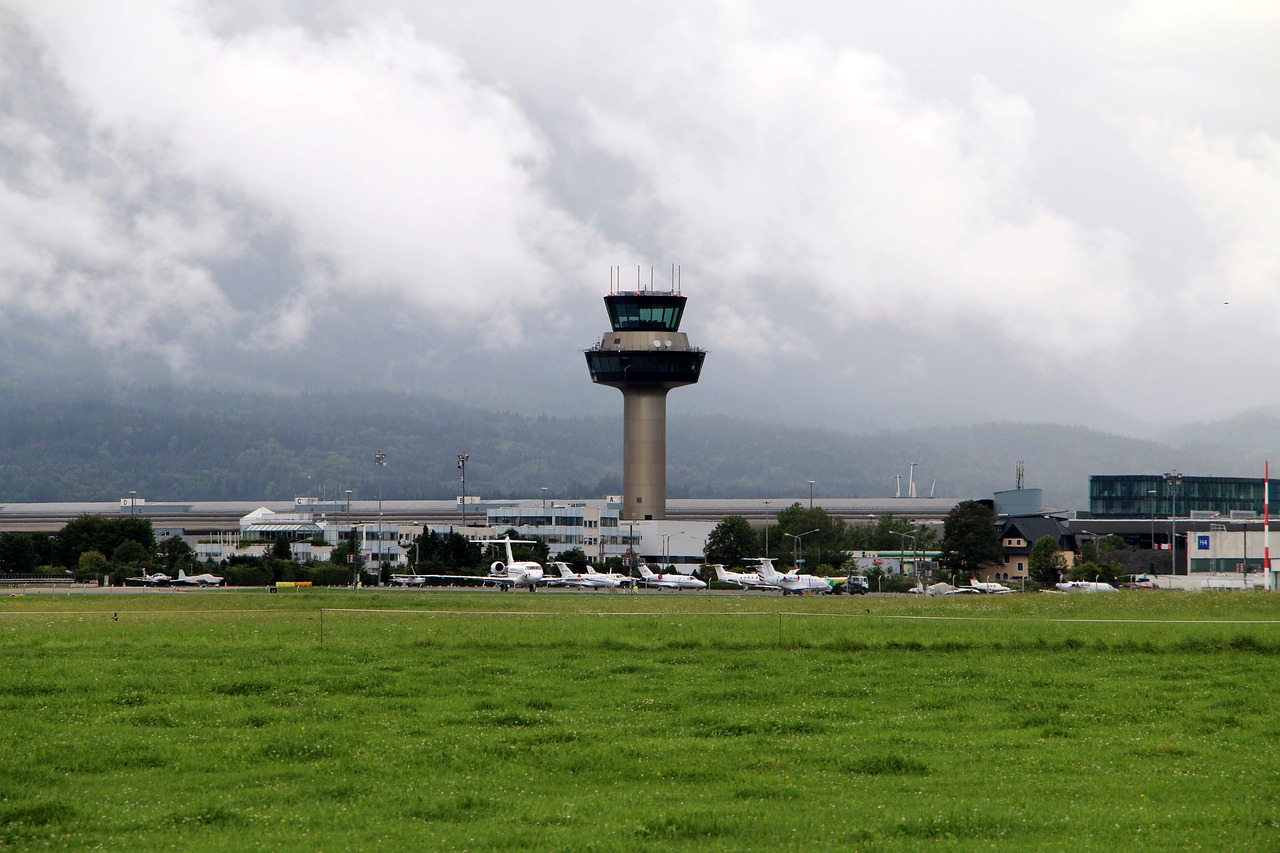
(644, 356)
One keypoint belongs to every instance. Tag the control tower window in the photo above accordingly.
(645, 313)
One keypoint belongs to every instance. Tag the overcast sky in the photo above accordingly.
(885, 213)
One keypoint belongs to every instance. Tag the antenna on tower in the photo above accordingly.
(897, 485)
(1019, 476)
(933, 486)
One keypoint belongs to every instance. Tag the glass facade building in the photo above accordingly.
(1146, 495)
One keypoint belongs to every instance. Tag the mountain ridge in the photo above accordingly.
(175, 443)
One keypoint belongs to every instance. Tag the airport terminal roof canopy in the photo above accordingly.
(284, 528)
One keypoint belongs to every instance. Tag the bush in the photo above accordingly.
(894, 583)
(249, 574)
(330, 574)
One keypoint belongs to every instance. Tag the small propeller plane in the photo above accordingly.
(512, 573)
(989, 588)
(158, 579)
(673, 580)
(184, 579)
(792, 581)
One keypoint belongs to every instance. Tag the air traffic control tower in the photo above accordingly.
(644, 357)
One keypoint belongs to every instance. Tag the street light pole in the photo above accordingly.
(1152, 494)
(666, 547)
(133, 500)
(796, 549)
(462, 466)
(1172, 479)
(631, 549)
(766, 527)
(902, 548)
(380, 462)
(355, 545)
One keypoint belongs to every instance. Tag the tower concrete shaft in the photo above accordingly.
(644, 452)
(644, 356)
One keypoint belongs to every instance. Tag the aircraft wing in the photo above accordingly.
(576, 582)
(497, 580)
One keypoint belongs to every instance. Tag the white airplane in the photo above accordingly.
(746, 580)
(184, 579)
(792, 581)
(992, 588)
(158, 579)
(1085, 586)
(590, 579)
(673, 580)
(411, 579)
(939, 588)
(512, 573)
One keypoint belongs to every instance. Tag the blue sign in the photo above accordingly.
(1202, 542)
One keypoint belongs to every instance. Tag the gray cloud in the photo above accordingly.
(872, 212)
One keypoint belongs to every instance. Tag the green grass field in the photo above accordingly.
(324, 720)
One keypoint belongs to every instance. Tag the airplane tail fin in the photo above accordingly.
(644, 571)
(721, 573)
(565, 570)
(766, 572)
(182, 575)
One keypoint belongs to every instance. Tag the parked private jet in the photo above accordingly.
(411, 579)
(184, 579)
(792, 581)
(746, 580)
(1085, 586)
(512, 573)
(673, 580)
(590, 579)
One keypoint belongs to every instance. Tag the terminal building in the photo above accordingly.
(1208, 530)
(1139, 495)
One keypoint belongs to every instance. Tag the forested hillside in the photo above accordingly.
(172, 444)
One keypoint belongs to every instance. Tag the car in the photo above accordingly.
(1140, 582)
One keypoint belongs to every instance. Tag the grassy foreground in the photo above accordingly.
(323, 720)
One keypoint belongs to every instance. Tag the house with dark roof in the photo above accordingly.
(1017, 535)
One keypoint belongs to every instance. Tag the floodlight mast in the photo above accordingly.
(644, 356)
(1172, 479)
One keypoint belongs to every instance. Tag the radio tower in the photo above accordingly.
(644, 356)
